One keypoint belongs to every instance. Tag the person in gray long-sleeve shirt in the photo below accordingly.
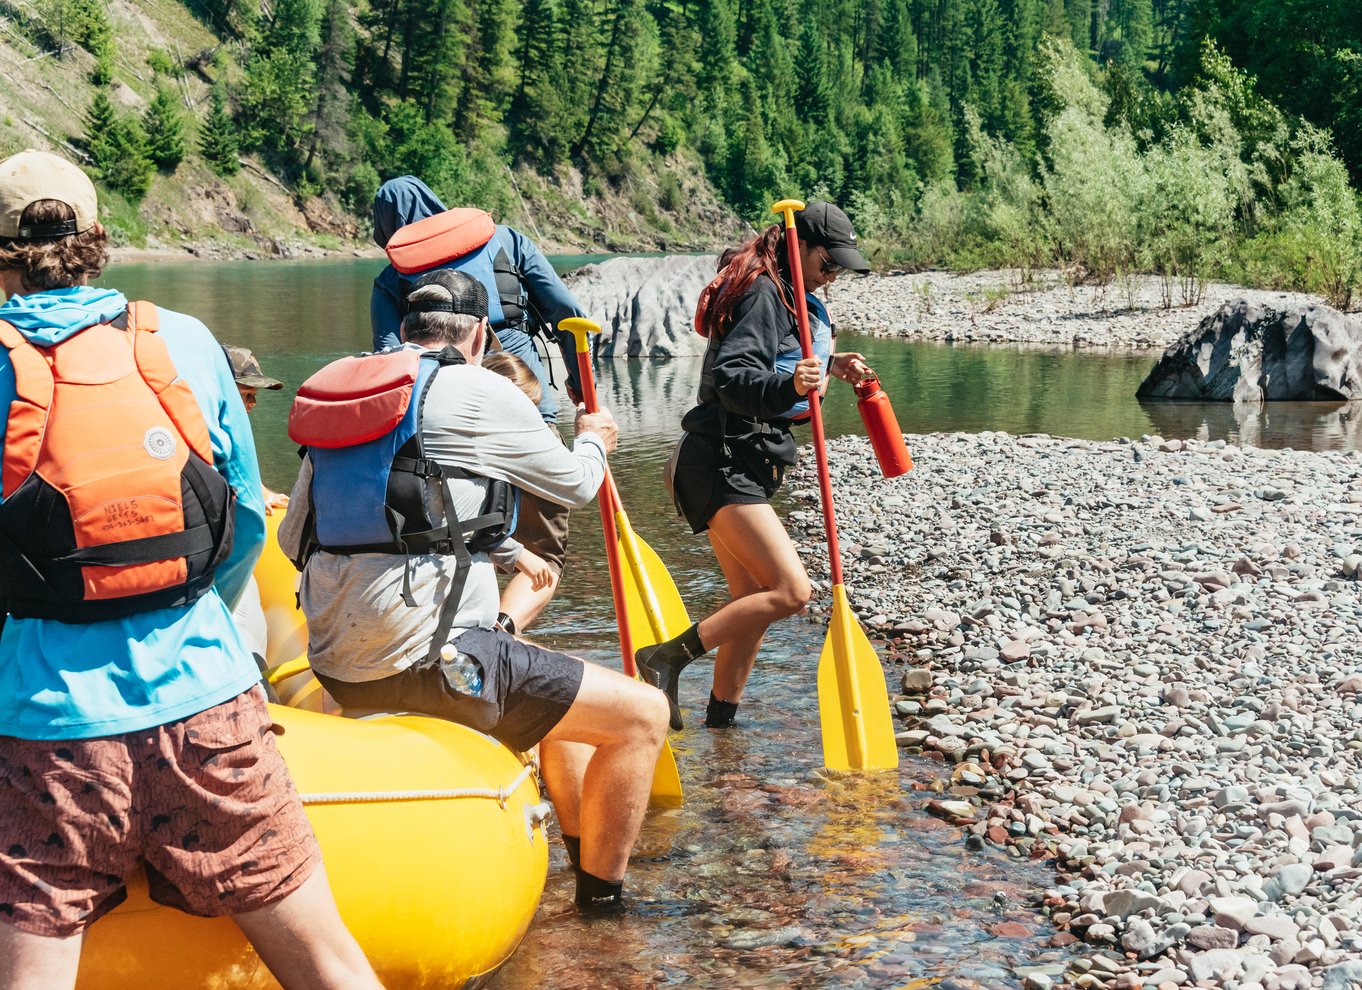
(373, 616)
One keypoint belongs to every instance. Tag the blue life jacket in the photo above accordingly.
(371, 493)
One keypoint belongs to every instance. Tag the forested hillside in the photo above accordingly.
(1188, 137)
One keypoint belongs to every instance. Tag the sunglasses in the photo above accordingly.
(829, 267)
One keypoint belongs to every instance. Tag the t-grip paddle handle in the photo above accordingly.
(581, 328)
(787, 208)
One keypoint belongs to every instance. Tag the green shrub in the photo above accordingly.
(1321, 220)
(671, 196)
(160, 62)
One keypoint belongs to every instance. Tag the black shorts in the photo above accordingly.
(703, 478)
(542, 527)
(526, 689)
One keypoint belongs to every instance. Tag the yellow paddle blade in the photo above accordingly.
(287, 669)
(853, 702)
(656, 611)
(666, 790)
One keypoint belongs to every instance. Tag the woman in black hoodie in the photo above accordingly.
(738, 442)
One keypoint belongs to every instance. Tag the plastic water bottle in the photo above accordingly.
(462, 671)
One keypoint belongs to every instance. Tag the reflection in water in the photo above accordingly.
(1302, 425)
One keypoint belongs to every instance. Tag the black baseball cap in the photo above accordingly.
(824, 224)
(463, 294)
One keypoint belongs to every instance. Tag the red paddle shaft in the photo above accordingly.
(815, 409)
(606, 498)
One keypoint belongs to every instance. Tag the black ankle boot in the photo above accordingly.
(661, 666)
(720, 714)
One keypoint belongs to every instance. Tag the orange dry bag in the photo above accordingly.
(882, 427)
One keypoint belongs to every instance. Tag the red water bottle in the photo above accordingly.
(882, 427)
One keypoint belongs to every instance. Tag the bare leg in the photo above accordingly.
(767, 581)
(522, 603)
(36, 962)
(304, 942)
(626, 722)
(564, 767)
(733, 663)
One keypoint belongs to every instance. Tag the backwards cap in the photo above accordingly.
(32, 176)
(466, 295)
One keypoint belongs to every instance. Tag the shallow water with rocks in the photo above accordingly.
(775, 875)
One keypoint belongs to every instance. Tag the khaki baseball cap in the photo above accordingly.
(31, 176)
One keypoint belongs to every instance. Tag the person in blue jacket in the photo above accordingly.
(142, 737)
(543, 525)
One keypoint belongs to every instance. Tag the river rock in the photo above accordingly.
(1212, 937)
(1251, 353)
(645, 306)
(1217, 964)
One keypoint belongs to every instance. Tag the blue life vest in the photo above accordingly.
(820, 328)
(372, 494)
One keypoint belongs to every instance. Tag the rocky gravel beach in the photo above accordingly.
(1143, 660)
(647, 306)
(1038, 307)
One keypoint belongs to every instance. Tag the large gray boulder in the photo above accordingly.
(645, 306)
(1251, 353)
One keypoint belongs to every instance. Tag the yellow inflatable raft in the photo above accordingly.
(434, 842)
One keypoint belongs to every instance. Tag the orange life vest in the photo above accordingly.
(111, 504)
(465, 239)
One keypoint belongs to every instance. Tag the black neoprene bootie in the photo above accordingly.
(597, 896)
(720, 714)
(661, 666)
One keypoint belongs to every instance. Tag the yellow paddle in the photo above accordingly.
(666, 780)
(853, 702)
(650, 592)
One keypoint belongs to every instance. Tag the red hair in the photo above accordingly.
(739, 268)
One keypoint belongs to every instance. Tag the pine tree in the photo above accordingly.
(280, 86)
(331, 112)
(813, 97)
(164, 126)
(99, 131)
(617, 88)
(897, 44)
(1132, 26)
(118, 149)
(217, 138)
(131, 170)
(718, 49)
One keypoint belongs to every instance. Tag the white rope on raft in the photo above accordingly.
(374, 797)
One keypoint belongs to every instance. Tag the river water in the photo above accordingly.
(770, 875)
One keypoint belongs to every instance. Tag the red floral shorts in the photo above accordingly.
(206, 803)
